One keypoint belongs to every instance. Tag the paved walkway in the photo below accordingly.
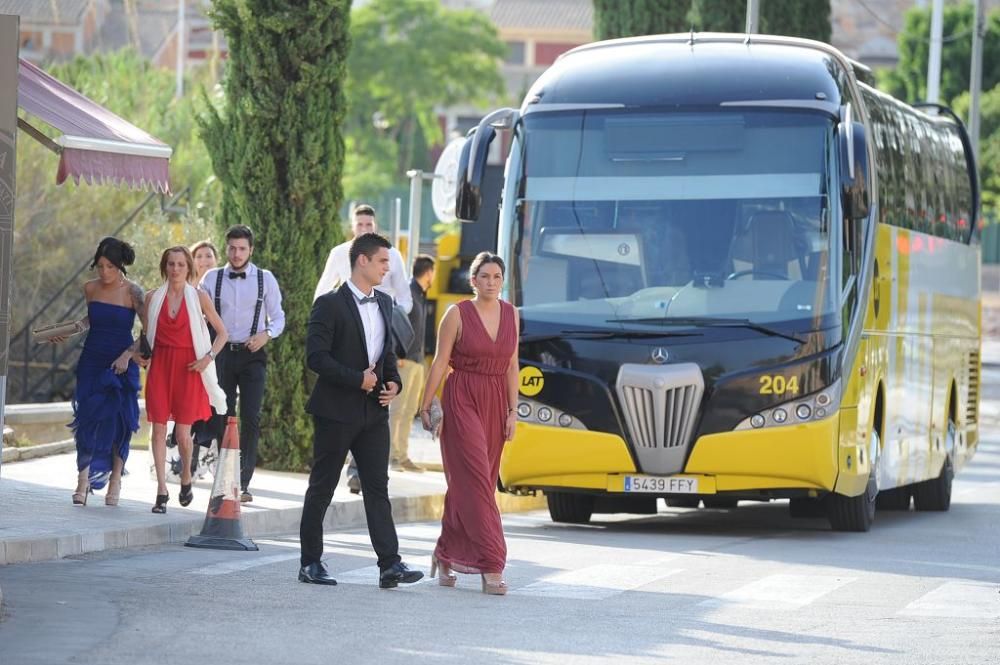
(39, 522)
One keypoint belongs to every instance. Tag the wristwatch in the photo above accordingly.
(211, 354)
(270, 335)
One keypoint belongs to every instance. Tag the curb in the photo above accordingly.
(12, 454)
(347, 514)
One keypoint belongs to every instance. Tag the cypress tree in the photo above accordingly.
(276, 147)
(796, 18)
(630, 18)
(719, 15)
(814, 20)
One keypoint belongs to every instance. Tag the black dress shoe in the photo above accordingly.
(398, 574)
(315, 573)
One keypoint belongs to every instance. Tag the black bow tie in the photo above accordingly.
(237, 275)
(366, 300)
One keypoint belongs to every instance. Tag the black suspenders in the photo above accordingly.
(260, 297)
(260, 301)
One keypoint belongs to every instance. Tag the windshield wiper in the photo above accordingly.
(602, 334)
(710, 322)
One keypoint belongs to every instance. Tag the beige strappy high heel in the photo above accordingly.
(114, 492)
(494, 587)
(446, 578)
(82, 488)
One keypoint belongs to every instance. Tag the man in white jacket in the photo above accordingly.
(338, 270)
(338, 264)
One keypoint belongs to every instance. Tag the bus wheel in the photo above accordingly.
(570, 508)
(720, 502)
(935, 494)
(806, 506)
(856, 513)
(898, 498)
(683, 502)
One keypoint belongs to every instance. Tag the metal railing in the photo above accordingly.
(58, 361)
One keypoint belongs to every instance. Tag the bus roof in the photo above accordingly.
(696, 69)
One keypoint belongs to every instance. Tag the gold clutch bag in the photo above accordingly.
(64, 329)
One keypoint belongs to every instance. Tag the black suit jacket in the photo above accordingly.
(336, 351)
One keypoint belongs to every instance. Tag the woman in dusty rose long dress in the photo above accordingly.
(478, 340)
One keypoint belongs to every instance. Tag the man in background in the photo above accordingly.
(403, 409)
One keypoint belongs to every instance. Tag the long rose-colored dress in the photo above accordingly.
(475, 410)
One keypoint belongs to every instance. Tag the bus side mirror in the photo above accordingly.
(854, 194)
(471, 167)
(472, 162)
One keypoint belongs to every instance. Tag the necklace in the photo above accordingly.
(174, 304)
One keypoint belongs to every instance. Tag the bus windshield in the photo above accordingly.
(635, 218)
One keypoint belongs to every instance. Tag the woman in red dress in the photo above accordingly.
(478, 340)
(181, 384)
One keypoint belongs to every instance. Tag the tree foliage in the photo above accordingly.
(276, 146)
(718, 15)
(794, 18)
(908, 81)
(57, 228)
(628, 18)
(989, 147)
(408, 59)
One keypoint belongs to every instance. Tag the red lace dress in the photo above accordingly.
(472, 438)
(174, 392)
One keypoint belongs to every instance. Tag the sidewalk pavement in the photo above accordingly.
(38, 521)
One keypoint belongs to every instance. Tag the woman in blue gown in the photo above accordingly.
(106, 401)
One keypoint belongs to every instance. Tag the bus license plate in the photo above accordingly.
(662, 484)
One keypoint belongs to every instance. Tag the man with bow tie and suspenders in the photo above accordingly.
(248, 300)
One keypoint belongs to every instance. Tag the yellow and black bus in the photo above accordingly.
(743, 273)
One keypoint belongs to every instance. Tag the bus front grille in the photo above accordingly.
(660, 407)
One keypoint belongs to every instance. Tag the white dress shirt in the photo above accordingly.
(338, 270)
(238, 301)
(372, 321)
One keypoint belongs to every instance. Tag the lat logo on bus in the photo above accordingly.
(532, 381)
(779, 385)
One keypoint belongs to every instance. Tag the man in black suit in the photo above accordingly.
(349, 345)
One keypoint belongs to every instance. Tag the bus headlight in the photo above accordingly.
(812, 407)
(530, 411)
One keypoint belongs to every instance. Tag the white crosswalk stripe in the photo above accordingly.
(245, 564)
(595, 582)
(603, 581)
(964, 600)
(780, 592)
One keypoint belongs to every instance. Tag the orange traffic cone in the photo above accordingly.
(222, 529)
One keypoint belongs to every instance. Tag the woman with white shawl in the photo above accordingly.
(181, 384)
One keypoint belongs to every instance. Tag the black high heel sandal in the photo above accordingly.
(161, 503)
(186, 496)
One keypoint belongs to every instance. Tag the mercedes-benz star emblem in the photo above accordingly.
(659, 355)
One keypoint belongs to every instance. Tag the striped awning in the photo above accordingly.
(96, 146)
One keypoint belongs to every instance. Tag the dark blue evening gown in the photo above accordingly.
(105, 405)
